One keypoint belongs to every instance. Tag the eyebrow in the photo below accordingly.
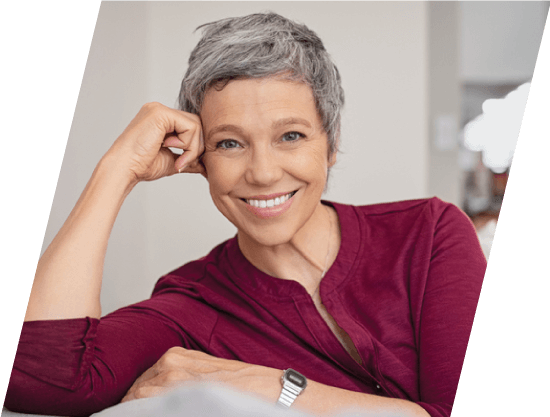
(290, 121)
(275, 125)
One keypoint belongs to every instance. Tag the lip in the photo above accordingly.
(268, 212)
(267, 197)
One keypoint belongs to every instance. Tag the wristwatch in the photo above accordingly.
(293, 384)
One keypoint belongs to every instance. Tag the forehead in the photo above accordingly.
(255, 102)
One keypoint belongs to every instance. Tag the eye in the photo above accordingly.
(228, 144)
(292, 136)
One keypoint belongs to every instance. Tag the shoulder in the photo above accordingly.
(424, 226)
(441, 228)
(430, 211)
(433, 207)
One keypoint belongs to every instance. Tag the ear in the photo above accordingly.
(332, 159)
(332, 156)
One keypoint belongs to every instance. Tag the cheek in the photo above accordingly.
(310, 164)
(222, 174)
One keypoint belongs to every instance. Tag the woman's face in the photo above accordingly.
(266, 156)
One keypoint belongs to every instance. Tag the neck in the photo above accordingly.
(306, 257)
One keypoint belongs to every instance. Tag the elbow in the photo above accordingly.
(30, 395)
(437, 409)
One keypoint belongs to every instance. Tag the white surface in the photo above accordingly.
(203, 400)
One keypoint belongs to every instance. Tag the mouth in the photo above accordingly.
(269, 202)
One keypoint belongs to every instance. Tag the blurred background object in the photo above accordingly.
(499, 47)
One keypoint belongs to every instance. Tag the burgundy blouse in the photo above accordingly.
(404, 286)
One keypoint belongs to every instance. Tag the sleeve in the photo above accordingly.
(456, 270)
(80, 366)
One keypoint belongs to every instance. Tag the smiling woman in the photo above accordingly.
(367, 307)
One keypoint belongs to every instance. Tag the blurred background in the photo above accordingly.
(435, 93)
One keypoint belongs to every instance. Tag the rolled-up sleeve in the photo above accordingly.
(81, 366)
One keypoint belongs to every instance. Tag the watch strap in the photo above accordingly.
(288, 394)
(291, 390)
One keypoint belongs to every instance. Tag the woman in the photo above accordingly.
(372, 305)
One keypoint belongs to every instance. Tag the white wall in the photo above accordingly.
(139, 54)
(500, 40)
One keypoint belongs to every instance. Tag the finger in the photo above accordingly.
(170, 121)
(196, 167)
(172, 141)
(183, 121)
(193, 148)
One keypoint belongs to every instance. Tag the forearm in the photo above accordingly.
(68, 277)
(320, 400)
(323, 400)
(178, 366)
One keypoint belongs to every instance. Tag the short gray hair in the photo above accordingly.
(264, 45)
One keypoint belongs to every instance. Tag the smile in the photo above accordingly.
(269, 206)
(273, 202)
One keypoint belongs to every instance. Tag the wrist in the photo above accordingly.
(111, 169)
(293, 384)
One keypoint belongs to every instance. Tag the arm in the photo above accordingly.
(448, 304)
(180, 366)
(68, 362)
(326, 400)
(68, 277)
(69, 274)
(81, 366)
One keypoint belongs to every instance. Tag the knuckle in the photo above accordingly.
(152, 105)
(171, 356)
(154, 109)
(175, 351)
(195, 118)
(173, 376)
(196, 123)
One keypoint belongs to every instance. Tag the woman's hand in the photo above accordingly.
(142, 149)
(179, 366)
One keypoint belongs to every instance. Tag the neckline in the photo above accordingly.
(246, 276)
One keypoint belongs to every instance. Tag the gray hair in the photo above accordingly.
(264, 45)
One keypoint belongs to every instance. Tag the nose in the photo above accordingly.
(264, 167)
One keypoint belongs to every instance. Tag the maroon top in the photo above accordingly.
(404, 286)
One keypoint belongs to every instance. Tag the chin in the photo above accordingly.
(264, 230)
(266, 239)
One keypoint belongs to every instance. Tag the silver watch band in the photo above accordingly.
(293, 384)
(288, 394)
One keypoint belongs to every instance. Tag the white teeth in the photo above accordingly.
(269, 203)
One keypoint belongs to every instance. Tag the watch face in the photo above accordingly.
(296, 378)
